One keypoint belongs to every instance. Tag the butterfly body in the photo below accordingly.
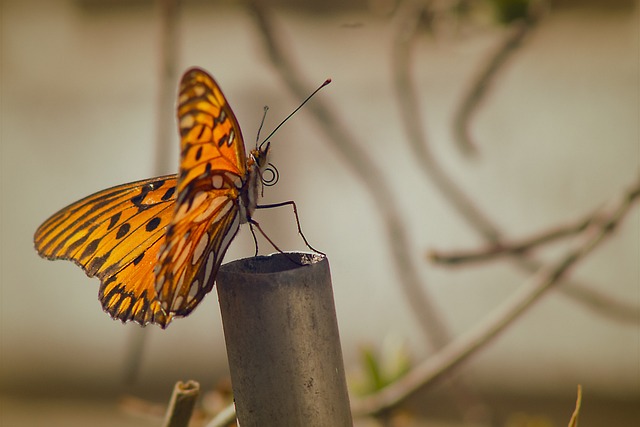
(156, 244)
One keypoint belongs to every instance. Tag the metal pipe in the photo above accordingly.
(282, 341)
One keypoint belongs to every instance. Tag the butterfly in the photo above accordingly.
(157, 244)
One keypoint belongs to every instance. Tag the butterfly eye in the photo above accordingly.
(270, 175)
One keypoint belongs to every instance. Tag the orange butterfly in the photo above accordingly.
(156, 244)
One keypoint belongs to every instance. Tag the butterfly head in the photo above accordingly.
(260, 155)
(260, 159)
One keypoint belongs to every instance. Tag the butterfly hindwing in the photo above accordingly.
(195, 247)
(210, 182)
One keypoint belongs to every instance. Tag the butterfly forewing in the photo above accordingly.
(115, 234)
(210, 135)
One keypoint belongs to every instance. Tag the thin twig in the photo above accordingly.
(573, 422)
(485, 79)
(516, 247)
(594, 299)
(370, 175)
(459, 350)
(224, 417)
(601, 303)
(183, 400)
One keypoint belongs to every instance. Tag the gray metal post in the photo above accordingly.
(282, 341)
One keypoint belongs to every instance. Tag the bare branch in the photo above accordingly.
(485, 79)
(516, 247)
(360, 163)
(469, 343)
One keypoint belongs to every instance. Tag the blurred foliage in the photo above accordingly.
(378, 369)
(508, 11)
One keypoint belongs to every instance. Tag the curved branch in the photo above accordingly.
(485, 79)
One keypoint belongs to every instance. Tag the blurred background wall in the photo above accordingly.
(557, 137)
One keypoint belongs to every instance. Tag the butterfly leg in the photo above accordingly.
(254, 223)
(295, 212)
(253, 233)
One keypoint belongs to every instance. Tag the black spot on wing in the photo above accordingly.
(157, 184)
(224, 140)
(72, 247)
(169, 193)
(123, 230)
(139, 199)
(138, 259)
(202, 128)
(106, 282)
(199, 153)
(97, 263)
(137, 202)
(91, 248)
(152, 224)
(114, 220)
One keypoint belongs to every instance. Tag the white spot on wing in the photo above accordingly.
(237, 181)
(177, 303)
(200, 247)
(209, 266)
(193, 291)
(233, 229)
(217, 181)
(198, 199)
(213, 206)
(181, 281)
(178, 249)
(181, 212)
(185, 207)
(199, 90)
(159, 283)
(224, 210)
(187, 121)
(182, 258)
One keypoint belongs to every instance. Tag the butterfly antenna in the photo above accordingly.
(326, 82)
(264, 116)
